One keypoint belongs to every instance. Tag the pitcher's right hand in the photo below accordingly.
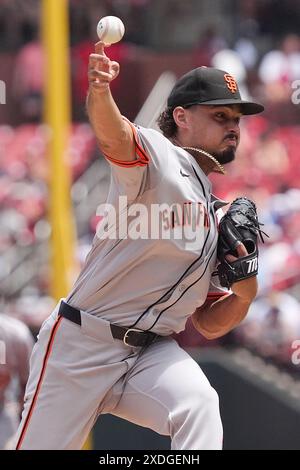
(101, 70)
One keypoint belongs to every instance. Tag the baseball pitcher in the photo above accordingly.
(156, 260)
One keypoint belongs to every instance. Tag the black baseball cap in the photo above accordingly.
(209, 86)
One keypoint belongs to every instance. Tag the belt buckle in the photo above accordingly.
(127, 333)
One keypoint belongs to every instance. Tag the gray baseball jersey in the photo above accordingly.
(131, 277)
(151, 265)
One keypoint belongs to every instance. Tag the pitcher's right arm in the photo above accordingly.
(114, 134)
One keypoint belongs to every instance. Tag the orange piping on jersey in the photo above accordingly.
(34, 400)
(216, 295)
(143, 158)
(139, 148)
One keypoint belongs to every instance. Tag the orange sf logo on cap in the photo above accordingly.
(230, 82)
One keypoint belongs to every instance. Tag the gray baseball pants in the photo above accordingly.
(78, 372)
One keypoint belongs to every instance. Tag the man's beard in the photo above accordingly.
(225, 156)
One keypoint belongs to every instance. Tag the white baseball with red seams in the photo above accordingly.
(110, 29)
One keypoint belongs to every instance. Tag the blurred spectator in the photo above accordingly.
(279, 68)
(28, 76)
(31, 308)
(13, 14)
(271, 326)
(247, 13)
(277, 17)
(80, 52)
(14, 369)
(210, 43)
(247, 50)
(271, 156)
(176, 25)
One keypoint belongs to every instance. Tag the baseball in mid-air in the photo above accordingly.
(110, 29)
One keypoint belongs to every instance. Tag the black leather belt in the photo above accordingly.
(129, 336)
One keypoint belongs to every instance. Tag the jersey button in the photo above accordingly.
(182, 287)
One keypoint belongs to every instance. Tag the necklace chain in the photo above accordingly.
(221, 168)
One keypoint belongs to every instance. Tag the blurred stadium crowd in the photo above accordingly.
(257, 41)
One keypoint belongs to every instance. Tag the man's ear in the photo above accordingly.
(180, 117)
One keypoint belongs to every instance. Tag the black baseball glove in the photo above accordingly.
(239, 225)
